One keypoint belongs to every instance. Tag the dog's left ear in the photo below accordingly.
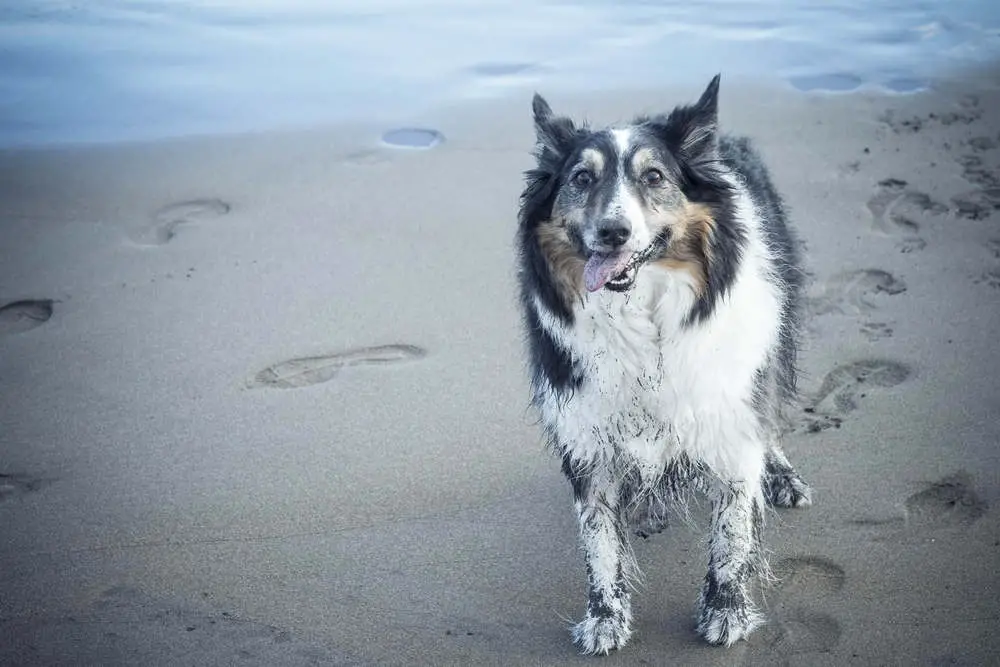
(701, 125)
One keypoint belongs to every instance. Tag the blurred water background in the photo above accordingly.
(115, 70)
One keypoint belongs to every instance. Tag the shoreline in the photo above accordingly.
(380, 119)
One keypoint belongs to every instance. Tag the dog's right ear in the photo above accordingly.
(541, 109)
(553, 133)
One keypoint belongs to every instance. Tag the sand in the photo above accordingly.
(264, 398)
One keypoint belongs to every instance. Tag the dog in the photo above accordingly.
(660, 286)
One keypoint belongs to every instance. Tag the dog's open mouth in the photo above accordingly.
(617, 270)
(624, 280)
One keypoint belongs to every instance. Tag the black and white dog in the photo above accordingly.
(660, 284)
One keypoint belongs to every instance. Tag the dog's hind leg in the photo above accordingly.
(610, 562)
(782, 485)
(726, 613)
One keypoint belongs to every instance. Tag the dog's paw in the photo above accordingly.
(786, 489)
(727, 625)
(601, 635)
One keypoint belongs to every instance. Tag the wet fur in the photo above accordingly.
(676, 385)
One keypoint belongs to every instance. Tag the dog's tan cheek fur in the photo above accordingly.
(565, 263)
(690, 248)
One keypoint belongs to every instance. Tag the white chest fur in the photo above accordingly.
(656, 388)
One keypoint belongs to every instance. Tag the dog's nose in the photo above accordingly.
(613, 233)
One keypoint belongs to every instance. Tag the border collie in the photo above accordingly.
(660, 284)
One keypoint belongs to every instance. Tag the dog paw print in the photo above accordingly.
(874, 331)
(898, 210)
(989, 278)
(853, 292)
(975, 171)
(977, 204)
(845, 387)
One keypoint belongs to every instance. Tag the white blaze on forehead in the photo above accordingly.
(623, 139)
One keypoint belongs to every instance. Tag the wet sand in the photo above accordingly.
(264, 398)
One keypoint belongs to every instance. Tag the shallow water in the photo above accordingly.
(111, 70)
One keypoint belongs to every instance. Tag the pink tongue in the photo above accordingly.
(602, 268)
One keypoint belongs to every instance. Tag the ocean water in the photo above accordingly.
(116, 70)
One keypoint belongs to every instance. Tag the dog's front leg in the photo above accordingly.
(609, 560)
(725, 611)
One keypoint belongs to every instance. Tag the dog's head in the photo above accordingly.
(616, 198)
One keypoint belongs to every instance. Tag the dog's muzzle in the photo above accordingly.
(617, 270)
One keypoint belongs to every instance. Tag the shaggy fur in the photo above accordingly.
(660, 284)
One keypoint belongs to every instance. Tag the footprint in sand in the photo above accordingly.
(989, 278)
(804, 631)
(874, 331)
(412, 137)
(315, 370)
(980, 203)
(853, 292)
(366, 157)
(968, 112)
(897, 211)
(19, 316)
(949, 501)
(845, 385)
(977, 204)
(786, 639)
(849, 168)
(168, 219)
(149, 630)
(13, 485)
(982, 144)
(805, 575)
(795, 630)
(886, 192)
(975, 172)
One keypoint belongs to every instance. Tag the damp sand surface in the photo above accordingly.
(264, 398)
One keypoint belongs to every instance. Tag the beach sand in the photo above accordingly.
(265, 401)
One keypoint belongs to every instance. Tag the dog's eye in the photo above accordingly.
(653, 177)
(583, 178)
